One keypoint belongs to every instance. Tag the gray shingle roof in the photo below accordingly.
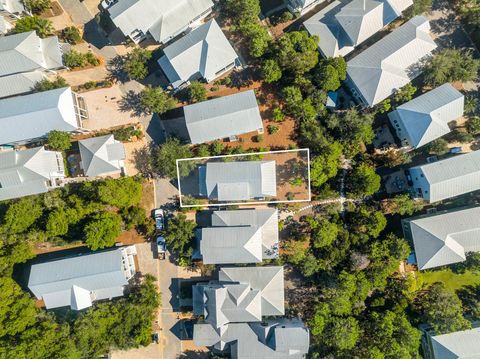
(445, 238)
(100, 273)
(162, 18)
(223, 117)
(240, 236)
(457, 345)
(426, 117)
(33, 116)
(101, 156)
(240, 180)
(27, 52)
(447, 178)
(273, 339)
(392, 62)
(342, 25)
(205, 51)
(28, 172)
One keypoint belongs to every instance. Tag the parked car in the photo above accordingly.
(107, 3)
(161, 247)
(159, 219)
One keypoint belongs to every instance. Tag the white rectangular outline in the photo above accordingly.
(243, 155)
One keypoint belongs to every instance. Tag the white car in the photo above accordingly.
(107, 3)
(159, 219)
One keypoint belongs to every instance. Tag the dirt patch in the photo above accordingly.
(54, 10)
(130, 237)
(147, 202)
(47, 247)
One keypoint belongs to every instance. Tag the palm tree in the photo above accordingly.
(43, 27)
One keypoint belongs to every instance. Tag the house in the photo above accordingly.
(161, 19)
(302, 6)
(241, 294)
(238, 181)
(24, 59)
(391, 62)
(30, 117)
(239, 236)
(204, 53)
(427, 117)
(457, 345)
(28, 172)
(102, 156)
(444, 238)
(343, 25)
(446, 178)
(11, 8)
(78, 281)
(273, 338)
(226, 116)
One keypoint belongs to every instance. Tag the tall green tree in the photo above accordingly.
(363, 181)
(179, 235)
(156, 100)
(271, 71)
(296, 52)
(165, 156)
(135, 64)
(21, 215)
(196, 92)
(451, 65)
(42, 27)
(59, 140)
(123, 192)
(326, 164)
(102, 230)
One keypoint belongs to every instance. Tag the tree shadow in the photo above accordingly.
(115, 68)
(194, 354)
(142, 160)
(131, 102)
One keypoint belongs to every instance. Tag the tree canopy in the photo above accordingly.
(156, 100)
(59, 140)
(451, 65)
(135, 63)
(102, 230)
(165, 156)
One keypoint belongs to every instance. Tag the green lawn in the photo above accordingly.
(451, 280)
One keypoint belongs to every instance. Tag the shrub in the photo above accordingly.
(278, 115)
(136, 63)
(258, 138)
(37, 6)
(59, 140)
(42, 27)
(273, 129)
(75, 59)
(46, 85)
(71, 35)
(90, 85)
(196, 92)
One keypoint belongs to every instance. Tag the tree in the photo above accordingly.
(37, 6)
(59, 140)
(71, 34)
(342, 333)
(363, 181)
(323, 231)
(74, 59)
(352, 128)
(21, 215)
(155, 100)
(57, 223)
(135, 64)
(419, 7)
(47, 85)
(196, 92)
(42, 27)
(102, 230)
(461, 136)
(367, 221)
(17, 309)
(469, 10)
(296, 52)
(389, 334)
(329, 73)
(473, 125)
(450, 65)
(271, 71)
(471, 104)
(325, 166)
(165, 156)
(404, 94)
(441, 309)
(402, 204)
(393, 157)
(122, 193)
(257, 37)
(242, 11)
(437, 147)
(179, 234)
(134, 217)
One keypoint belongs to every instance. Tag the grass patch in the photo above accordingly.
(452, 281)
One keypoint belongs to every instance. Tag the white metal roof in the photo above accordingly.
(27, 52)
(392, 62)
(204, 51)
(162, 18)
(344, 24)
(426, 117)
(101, 155)
(445, 238)
(223, 117)
(35, 115)
(21, 83)
(27, 172)
(448, 178)
(464, 344)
